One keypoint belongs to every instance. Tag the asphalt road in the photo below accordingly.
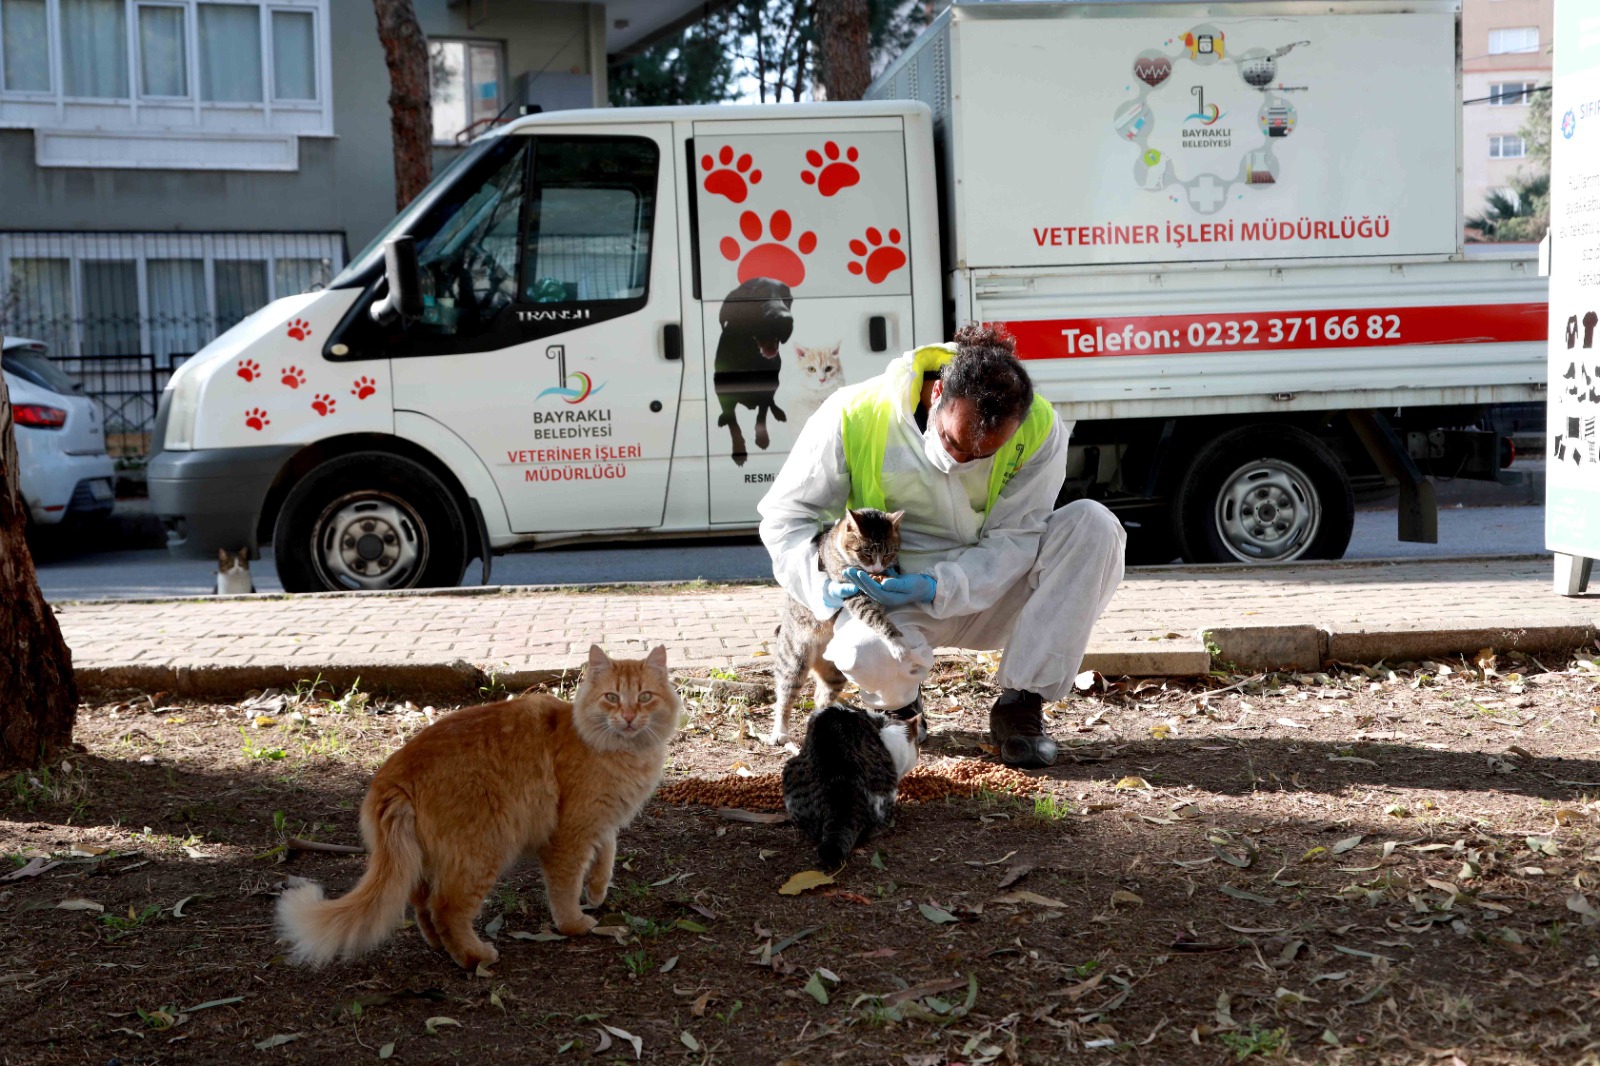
(151, 572)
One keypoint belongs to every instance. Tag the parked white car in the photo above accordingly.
(62, 465)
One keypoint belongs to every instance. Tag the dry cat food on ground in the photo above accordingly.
(925, 783)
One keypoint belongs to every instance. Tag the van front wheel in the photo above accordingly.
(368, 521)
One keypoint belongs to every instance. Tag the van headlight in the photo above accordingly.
(185, 386)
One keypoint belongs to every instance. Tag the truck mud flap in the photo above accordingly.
(1419, 509)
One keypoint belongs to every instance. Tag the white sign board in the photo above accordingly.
(1138, 139)
(1572, 492)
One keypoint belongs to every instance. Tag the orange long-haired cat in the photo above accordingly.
(454, 807)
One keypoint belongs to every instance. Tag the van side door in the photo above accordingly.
(803, 273)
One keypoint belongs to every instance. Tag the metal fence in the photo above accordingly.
(128, 388)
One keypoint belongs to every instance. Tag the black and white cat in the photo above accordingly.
(233, 573)
(842, 787)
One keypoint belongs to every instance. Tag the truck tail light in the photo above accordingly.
(39, 416)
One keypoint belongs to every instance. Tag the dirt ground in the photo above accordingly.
(1369, 865)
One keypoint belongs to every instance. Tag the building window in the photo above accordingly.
(1511, 93)
(230, 53)
(175, 66)
(1513, 39)
(163, 51)
(294, 56)
(162, 294)
(467, 80)
(25, 27)
(94, 49)
(1507, 146)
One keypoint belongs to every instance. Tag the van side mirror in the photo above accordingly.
(404, 298)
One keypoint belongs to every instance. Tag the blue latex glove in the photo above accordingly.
(896, 591)
(834, 593)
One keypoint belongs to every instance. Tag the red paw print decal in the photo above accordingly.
(877, 259)
(729, 177)
(299, 329)
(772, 259)
(363, 387)
(249, 369)
(294, 377)
(831, 173)
(257, 419)
(323, 404)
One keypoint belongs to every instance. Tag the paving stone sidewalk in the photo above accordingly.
(1258, 618)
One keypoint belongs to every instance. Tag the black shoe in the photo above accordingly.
(910, 711)
(1016, 723)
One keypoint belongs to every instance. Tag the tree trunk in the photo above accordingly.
(844, 48)
(405, 50)
(38, 696)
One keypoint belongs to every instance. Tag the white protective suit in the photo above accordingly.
(1032, 579)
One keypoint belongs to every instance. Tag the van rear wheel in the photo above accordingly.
(369, 521)
(1264, 494)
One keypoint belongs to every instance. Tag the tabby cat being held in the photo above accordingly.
(863, 539)
(454, 808)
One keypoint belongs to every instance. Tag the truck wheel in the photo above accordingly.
(369, 520)
(1264, 494)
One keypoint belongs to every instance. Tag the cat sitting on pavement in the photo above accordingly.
(842, 787)
(454, 807)
(864, 539)
(233, 573)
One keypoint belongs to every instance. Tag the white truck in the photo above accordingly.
(1227, 237)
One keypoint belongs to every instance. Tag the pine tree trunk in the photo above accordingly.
(38, 696)
(405, 50)
(844, 48)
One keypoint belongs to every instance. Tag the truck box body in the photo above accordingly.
(1218, 181)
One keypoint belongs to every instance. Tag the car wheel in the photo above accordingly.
(369, 521)
(1264, 494)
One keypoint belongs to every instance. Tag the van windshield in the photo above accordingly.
(407, 219)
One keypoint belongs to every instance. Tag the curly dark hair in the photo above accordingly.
(987, 374)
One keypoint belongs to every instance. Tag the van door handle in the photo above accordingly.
(672, 341)
(878, 333)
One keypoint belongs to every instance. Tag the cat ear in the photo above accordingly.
(657, 657)
(223, 558)
(895, 516)
(244, 556)
(913, 727)
(851, 521)
(598, 659)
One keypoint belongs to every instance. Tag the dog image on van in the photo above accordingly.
(756, 318)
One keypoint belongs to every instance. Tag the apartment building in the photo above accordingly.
(1505, 49)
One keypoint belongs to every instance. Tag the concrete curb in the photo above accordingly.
(1255, 649)
(1264, 648)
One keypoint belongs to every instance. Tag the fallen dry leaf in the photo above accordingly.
(805, 881)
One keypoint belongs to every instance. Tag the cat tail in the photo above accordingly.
(837, 841)
(321, 930)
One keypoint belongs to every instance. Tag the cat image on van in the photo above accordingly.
(233, 573)
(815, 374)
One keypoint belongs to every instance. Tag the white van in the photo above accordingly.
(623, 319)
(611, 324)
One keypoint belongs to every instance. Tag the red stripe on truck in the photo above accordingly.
(1250, 331)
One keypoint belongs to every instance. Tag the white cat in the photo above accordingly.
(815, 375)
